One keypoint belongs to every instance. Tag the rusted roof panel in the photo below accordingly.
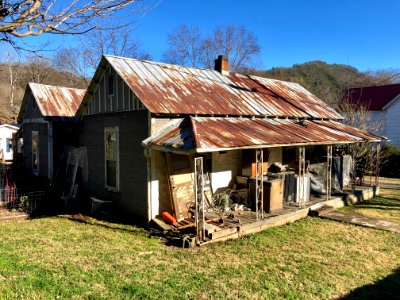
(219, 133)
(171, 89)
(56, 101)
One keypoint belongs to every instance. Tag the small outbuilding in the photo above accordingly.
(48, 123)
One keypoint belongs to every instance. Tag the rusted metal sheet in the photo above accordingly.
(171, 89)
(207, 134)
(56, 101)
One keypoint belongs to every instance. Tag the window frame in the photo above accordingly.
(106, 185)
(35, 171)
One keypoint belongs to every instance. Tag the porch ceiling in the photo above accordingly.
(208, 134)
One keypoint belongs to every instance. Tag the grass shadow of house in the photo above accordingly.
(386, 288)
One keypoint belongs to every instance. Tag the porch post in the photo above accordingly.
(199, 194)
(302, 168)
(378, 164)
(353, 156)
(259, 184)
(328, 172)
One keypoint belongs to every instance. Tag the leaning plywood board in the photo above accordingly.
(180, 174)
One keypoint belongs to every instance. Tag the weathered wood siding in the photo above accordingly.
(392, 128)
(42, 130)
(133, 128)
(121, 99)
(32, 109)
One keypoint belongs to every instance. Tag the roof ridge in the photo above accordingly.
(55, 86)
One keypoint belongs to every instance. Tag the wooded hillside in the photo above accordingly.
(329, 81)
(36, 70)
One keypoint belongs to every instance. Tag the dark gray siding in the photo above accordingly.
(121, 100)
(42, 130)
(133, 128)
(32, 109)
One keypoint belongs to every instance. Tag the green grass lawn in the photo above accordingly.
(56, 257)
(386, 206)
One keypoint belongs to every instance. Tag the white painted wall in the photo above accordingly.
(225, 168)
(6, 132)
(392, 117)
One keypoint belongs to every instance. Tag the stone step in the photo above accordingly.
(321, 211)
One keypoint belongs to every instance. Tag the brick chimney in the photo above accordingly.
(221, 64)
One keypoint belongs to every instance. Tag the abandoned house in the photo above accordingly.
(383, 104)
(175, 141)
(48, 123)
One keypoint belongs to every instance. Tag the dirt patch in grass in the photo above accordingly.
(4, 213)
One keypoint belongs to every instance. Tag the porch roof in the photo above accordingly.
(208, 134)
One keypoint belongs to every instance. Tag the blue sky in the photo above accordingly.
(363, 34)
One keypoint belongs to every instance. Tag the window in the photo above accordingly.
(111, 141)
(8, 145)
(110, 84)
(35, 153)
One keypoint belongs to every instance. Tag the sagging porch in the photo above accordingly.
(224, 192)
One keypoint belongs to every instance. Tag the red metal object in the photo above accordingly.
(167, 217)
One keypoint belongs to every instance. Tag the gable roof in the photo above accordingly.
(374, 98)
(10, 126)
(171, 89)
(53, 101)
(206, 134)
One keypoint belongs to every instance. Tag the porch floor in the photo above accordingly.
(236, 224)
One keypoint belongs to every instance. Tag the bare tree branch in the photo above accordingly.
(188, 47)
(22, 18)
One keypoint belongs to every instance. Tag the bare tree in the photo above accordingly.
(21, 18)
(357, 114)
(237, 43)
(185, 46)
(12, 67)
(188, 47)
(83, 61)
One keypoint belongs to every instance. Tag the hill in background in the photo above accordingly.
(39, 71)
(328, 81)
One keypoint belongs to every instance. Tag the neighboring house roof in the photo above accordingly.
(10, 126)
(53, 101)
(374, 98)
(176, 90)
(207, 134)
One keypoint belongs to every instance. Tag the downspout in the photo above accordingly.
(147, 154)
(50, 151)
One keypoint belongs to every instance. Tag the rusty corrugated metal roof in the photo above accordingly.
(172, 89)
(57, 101)
(207, 134)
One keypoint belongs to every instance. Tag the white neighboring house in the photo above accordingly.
(6, 132)
(384, 104)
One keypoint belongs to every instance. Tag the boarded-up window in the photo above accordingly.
(35, 152)
(111, 140)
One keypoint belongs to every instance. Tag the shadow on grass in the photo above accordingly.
(380, 203)
(102, 223)
(387, 288)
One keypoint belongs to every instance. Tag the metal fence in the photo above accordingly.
(22, 200)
